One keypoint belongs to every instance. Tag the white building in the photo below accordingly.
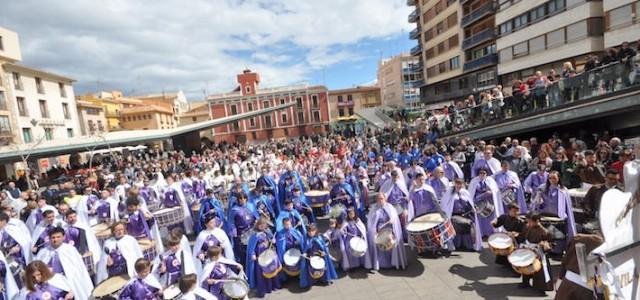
(34, 104)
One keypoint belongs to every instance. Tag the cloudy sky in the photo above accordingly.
(198, 46)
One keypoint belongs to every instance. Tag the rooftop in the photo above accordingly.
(39, 73)
(266, 91)
(146, 108)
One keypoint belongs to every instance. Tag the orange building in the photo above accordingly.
(309, 115)
(147, 117)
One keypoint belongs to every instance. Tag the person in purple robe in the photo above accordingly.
(314, 245)
(352, 228)
(439, 182)
(487, 162)
(42, 283)
(484, 191)
(451, 169)
(535, 180)
(242, 218)
(137, 225)
(411, 172)
(287, 238)
(171, 196)
(199, 187)
(510, 187)
(41, 233)
(218, 269)
(423, 197)
(301, 204)
(149, 195)
(74, 234)
(174, 263)
(382, 216)
(13, 242)
(553, 200)
(457, 204)
(260, 241)
(342, 193)
(142, 286)
(397, 195)
(107, 208)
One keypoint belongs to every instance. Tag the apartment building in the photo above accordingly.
(399, 79)
(147, 117)
(309, 115)
(622, 22)
(92, 118)
(543, 34)
(345, 102)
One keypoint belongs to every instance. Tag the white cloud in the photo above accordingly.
(194, 45)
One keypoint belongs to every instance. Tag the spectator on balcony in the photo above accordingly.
(486, 107)
(592, 63)
(625, 56)
(609, 73)
(518, 90)
(571, 85)
(499, 99)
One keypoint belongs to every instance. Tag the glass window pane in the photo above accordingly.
(506, 55)
(520, 49)
(555, 38)
(620, 16)
(577, 31)
(537, 44)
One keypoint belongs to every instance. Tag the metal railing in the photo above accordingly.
(485, 9)
(491, 59)
(485, 35)
(567, 91)
(414, 15)
(416, 50)
(415, 34)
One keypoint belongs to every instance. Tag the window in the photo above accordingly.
(619, 16)
(520, 49)
(17, 81)
(267, 121)
(22, 107)
(44, 111)
(234, 110)
(341, 112)
(48, 134)
(339, 98)
(3, 101)
(69, 132)
(254, 135)
(235, 126)
(350, 111)
(252, 122)
(537, 44)
(506, 54)
(452, 19)
(537, 13)
(520, 21)
(26, 135)
(65, 111)
(555, 5)
(265, 104)
(300, 117)
(454, 63)
(314, 101)
(441, 48)
(284, 118)
(299, 103)
(5, 125)
(486, 78)
(316, 116)
(249, 106)
(555, 38)
(506, 27)
(63, 91)
(281, 101)
(39, 86)
(453, 41)
(349, 98)
(247, 89)
(577, 31)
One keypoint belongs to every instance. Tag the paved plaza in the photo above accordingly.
(464, 275)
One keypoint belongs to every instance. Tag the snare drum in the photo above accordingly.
(501, 243)
(485, 208)
(153, 205)
(102, 231)
(110, 287)
(555, 226)
(236, 289)
(357, 246)
(430, 231)
(148, 248)
(317, 266)
(385, 239)
(169, 216)
(87, 258)
(291, 260)
(172, 292)
(270, 264)
(317, 198)
(525, 261)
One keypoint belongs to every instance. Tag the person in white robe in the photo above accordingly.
(8, 289)
(380, 216)
(484, 188)
(211, 236)
(42, 283)
(90, 236)
(173, 264)
(191, 291)
(120, 244)
(36, 215)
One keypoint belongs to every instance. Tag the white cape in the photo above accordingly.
(92, 241)
(74, 268)
(31, 220)
(10, 287)
(130, 250)
(19, 232)
(221, 236)
(493, 186)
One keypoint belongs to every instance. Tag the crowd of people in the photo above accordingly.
(238, 217)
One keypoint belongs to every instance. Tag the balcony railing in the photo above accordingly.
(415, 34)
(411, 2)
(491, 59)
(567, 92)
(345, 103)
(485, 9)
(417, 50)
(413, 83)
(414, 16)
(478, 38)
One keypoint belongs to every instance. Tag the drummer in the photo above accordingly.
(352, 227)
(484, 189)
(242, 218)
(218, 268)
(264, 209)
(143, 286)
(458, 205)
(512, 224)
(301, 204)
(174, 263)
(149, 194)
(397, 195)
(260, 241)
(342, 193)
(439, 182)
(289, 212)
(287, 238)
(537, 237)
(508, 180)
(381, 216)
(81, 236)
(423, 197)
(315, 246)
(120, 254)
(554, 200)
(107, 208)
(209, 205)
(211, 236)
(40, 280)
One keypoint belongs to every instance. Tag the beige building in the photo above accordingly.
(622, 22)
(147, 117)
(343, 104)
(399, 79)
(176, 101)
(542, 35)
(92, 118)
(198, 112)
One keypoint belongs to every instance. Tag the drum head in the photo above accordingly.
(358, 244)
(292, 257)
(171, 292)
(145, 244)
(522, 257)
(500, 240)
(237, 289)
(110, 286)
(550, 219)
(425, 222)
(266, 257)
(317, 262)
(384, 235)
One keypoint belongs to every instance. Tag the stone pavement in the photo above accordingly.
(464, 275)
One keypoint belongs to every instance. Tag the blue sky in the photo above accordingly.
(150, 46)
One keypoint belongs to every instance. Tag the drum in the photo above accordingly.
(501, 243)
(270, 264)
(317, 198)
(430, 231)
(385, 239)
(153, 205)
(508, 196)
(485, 208)
(525, 261)
(87, 258)
(235, 288)
(169, 216)
(461, 224)
(555, 226)
(357, 246)
(102, 231)
(316, 267)
(291, 260)
(148, 249)
(110, 287)
(171, 292)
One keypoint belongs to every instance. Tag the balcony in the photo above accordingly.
(413, 84)
(417, 50)
(414, 16)
(411, 2)
(345, 103)
(486, 9)
(479, 38)
(415, 34)
(489, 60)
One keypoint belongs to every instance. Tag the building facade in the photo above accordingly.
(622, 22)
(147, 117)
(112, 102)
(176, 101)
(344, 103)
(198, 112)
(399, 79)
(309, 115)
(91, 117)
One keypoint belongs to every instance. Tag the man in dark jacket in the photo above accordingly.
(625, 56)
